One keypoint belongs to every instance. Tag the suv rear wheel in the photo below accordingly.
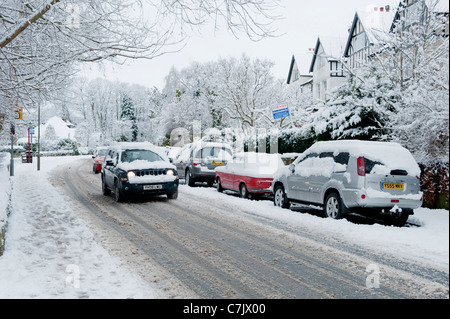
(189, 179)
(333, 206)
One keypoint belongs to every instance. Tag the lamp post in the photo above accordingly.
(39, 139)
(11, 165)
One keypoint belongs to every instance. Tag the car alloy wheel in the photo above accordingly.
(117, 195)
(333, 206)
(243, 192)
(280, 198)
(219, 186)
(188, 179)
(105, 190)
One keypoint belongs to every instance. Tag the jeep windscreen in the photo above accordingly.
(129, 156)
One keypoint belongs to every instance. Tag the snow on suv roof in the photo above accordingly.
(391, 154)
(140, 146)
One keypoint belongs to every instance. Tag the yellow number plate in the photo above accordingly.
(217, 163)
(392, 185)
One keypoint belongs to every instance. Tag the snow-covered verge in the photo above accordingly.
(50, 251)
(5, 191)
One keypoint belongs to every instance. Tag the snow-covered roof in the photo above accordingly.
(252, 164)
(120, 146)
(377, 21)
(333, 47)
(63, 129)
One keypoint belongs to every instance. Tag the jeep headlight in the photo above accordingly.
(131, 174)
(170, 172)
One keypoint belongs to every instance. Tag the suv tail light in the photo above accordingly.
(196, 161)
(360, 166)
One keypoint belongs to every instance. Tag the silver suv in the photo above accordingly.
(197, 161)
(365, 177)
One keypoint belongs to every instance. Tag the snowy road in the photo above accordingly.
(211, 245)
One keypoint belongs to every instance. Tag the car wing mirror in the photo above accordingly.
(109, 163)
(292, 168)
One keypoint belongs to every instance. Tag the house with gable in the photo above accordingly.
(326, 66)
(370, 26)
(297, 71)
(412, 12)
(365, 36)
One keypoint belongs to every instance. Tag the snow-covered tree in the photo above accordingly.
(418, 56)
(246, 91)
(42, 41)
(359, 108)
(128, 118)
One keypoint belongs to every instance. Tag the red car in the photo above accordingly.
(98, 159)
(250, 173)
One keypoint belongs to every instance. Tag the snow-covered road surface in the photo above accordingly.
(204, 244)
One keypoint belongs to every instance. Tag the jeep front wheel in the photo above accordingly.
(105, 190)
(117, 192)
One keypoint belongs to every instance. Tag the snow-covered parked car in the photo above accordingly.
(250, 173)
(197, 161)
(365, 177)
(138, 169)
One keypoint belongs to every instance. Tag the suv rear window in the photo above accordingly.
(215, 152)
(369, 164)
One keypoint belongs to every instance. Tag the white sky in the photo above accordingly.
(303, 22)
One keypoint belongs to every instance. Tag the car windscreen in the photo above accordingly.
(129, 156)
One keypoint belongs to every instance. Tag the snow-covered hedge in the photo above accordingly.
(434, 183)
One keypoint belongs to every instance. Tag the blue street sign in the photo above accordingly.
(280, 111)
